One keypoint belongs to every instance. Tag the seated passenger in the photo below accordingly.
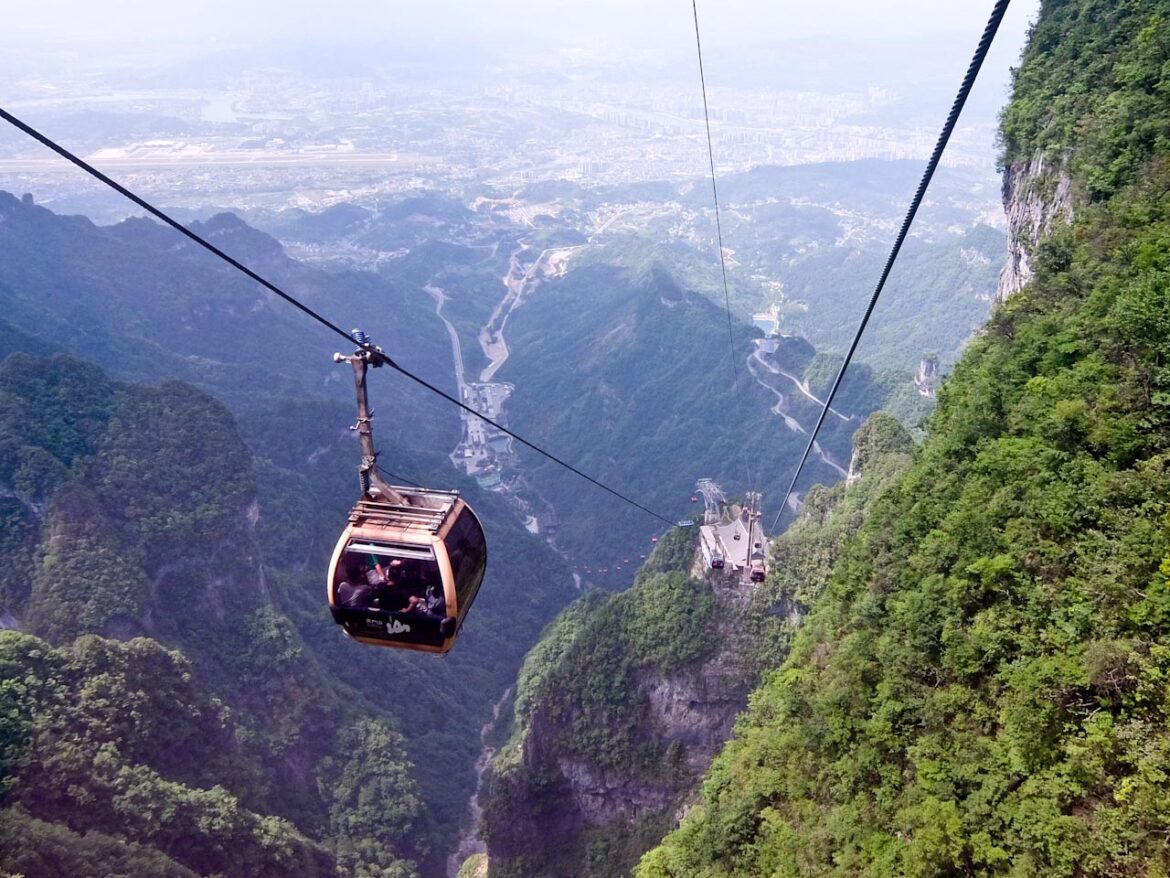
(433, 603)
(354, 592)
(375, 572)
(390, 593)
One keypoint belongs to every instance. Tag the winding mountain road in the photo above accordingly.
(802, 386)
(517, 282)
(790, 422)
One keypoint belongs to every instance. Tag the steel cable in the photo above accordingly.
(977, 60)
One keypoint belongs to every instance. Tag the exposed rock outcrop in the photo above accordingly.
(1036, 196)
(927, 377)
(552, 805)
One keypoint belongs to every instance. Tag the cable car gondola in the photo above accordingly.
(410, 562)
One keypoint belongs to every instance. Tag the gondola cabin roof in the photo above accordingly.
(427, 517)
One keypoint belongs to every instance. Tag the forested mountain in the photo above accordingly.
(151, 514)
(236, 732)
(204, 530)
(620, 707)
(650, 399)
(175, 464)
(620, 360)
(981, 687)
(142, 300)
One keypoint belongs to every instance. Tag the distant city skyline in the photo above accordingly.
(289, 105)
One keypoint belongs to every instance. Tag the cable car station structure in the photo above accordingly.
(735, 547)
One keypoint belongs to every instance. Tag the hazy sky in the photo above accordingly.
(115, 23)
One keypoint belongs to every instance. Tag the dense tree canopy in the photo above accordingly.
(982, 688)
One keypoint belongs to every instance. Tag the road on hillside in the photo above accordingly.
(790, 422)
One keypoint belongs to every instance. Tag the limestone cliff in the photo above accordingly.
(1037, 195)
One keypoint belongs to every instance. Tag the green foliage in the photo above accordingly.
(664, 622)
(668, 621)
(130, 483)
(583, 674)
(1094, 81)
(374, 802)
(474, 866)
(981, 687)
(821, 371)
(935, 299)
(85, 579)
(116, 738)
(173, 464)
(52, 850)
(58, 407)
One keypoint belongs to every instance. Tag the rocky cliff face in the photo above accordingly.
(627, 700)
(609, 740)
(927, 376)
(689, 714)
(1037, 195)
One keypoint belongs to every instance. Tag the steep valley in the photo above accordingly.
(609, 353)
(173, 474)
(241, 594)
(621, 707)
(962, 658)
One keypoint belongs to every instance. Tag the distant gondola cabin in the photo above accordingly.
(405, 574)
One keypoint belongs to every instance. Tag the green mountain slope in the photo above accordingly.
(116, 757)
(237, 732)
(649, 400)
(982, 688)
(142, 301)
(624, 701)
(145, 490)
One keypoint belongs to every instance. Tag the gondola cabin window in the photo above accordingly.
(391, 592)
(468, 552)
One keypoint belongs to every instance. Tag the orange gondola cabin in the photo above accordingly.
(411, 560)
(405, 575)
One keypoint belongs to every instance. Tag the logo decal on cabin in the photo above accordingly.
(396, 627)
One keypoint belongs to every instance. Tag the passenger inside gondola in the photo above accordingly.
(392, 590)
(354, 591)
(397, 585)
(433, 602)
(398, 592)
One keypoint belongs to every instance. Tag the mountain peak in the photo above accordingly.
(228, 231)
